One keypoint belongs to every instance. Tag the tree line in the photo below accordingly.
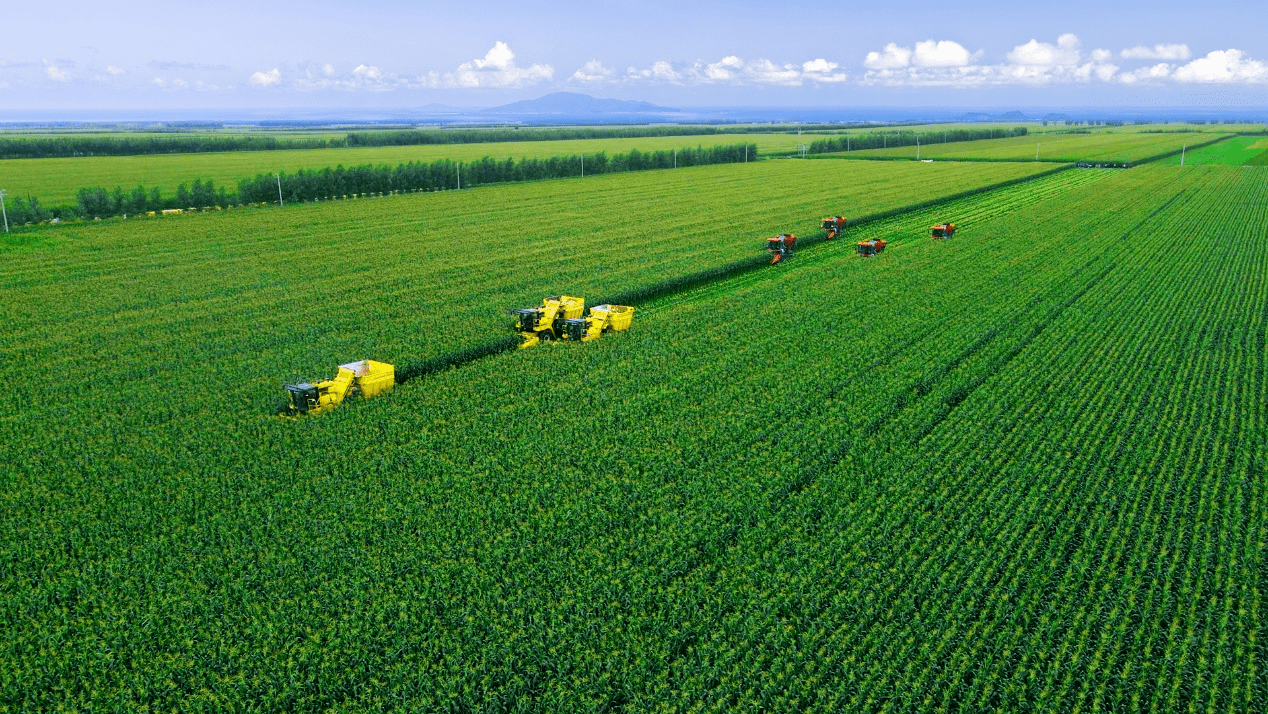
(67, 146)
(321, 184)
(329, 183)
(20, 147)
(880, 140)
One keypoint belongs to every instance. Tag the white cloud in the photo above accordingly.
(892, 57)
(1158, 52)
(1157, 72)
(54, 73)
(114, 70)
(328, 70)
(943, 53)
(763, 71)
(592, 72)
(660, 71)
(498, 69)
(178, 82)
(1042, 54)
(737, 71)
(726, 69)
(821, 70)
(367, 72)
(266, 79)
(947, 63)
(1223, 66)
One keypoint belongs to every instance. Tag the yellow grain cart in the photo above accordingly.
(366, 377)
(602, 318)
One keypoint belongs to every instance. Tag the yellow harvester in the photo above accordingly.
(366, 378)
(536, 323)
(602, 318)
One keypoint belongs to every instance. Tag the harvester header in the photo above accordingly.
(943, 230)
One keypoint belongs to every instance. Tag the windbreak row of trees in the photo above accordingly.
(19, 147)
(318, 184)
(65, 146)
(327, 183)
(100, 203)
(880, 140)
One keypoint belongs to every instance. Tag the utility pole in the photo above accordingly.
(279, 190)
(583, 166)
(1182, 148)
(1036, 151)
(847, 142)
(4, 212)
(675, 158)
(746, 153)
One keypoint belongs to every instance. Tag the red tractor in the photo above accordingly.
(781, 247)
(835, 226)
(869, 248)
(943, 230)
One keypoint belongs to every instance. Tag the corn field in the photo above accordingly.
(1021, 469)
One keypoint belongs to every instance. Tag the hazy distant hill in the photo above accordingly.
(982, 116)
(573, 104)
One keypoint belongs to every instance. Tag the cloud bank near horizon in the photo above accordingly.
(930, 62)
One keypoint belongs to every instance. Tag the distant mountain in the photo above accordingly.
(577, 105)
(982, 116)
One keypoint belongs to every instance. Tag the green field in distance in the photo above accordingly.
(1097, 146)
(54, 181)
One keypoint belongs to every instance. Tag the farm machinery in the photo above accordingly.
(943, 230)
(561, 317)
(602, 318)
(366, 378)
(780, 247)
(870, 248)
(535, 323)
(835, 226)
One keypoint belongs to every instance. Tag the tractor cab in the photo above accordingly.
(943, 230)
(574, 329)
(528, 318)
(303, 396)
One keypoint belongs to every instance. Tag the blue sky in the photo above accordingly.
(145, 55)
